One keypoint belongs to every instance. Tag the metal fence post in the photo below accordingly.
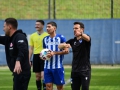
(54, 9)
(49, 9)
(111, 8)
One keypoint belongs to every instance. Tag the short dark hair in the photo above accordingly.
(41, 21)
(52, 23)
(12, 21)
(80, 23)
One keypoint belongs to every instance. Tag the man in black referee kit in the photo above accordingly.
(16, 49)
(81, 67)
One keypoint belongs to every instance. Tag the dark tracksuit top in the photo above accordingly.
(16, 48)
(81, 54)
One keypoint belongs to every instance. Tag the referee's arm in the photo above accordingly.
(30, 54)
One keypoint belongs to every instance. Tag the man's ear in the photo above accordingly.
(55, 28)
(9, 26)
(83, 29)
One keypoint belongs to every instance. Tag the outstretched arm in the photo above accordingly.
(64, 46)
(3, 39)
(52, 53)
(85, 37)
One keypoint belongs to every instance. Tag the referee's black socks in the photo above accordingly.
(38, 84)
(44, 86)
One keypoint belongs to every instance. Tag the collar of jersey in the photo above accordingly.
(41, 33)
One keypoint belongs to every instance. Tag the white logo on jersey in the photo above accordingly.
(11, 46)
(21, 41)
(53, 43)
(74, 43)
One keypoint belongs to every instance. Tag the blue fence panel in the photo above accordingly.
(105, 35)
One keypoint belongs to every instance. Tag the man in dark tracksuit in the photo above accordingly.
(16, 49)
(81, 67)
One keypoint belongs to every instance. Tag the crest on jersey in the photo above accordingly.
(80, 41)
(11, 44)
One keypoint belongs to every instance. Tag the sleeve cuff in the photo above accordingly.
(18, 59)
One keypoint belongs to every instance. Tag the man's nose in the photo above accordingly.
(74, 29)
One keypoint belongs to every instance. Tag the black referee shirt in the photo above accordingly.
(81, 54)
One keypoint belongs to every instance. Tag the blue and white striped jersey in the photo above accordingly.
(52, 43)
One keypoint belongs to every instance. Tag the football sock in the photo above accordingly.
(44, 86)
(38, 84)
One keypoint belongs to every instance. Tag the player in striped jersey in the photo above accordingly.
(53, 68)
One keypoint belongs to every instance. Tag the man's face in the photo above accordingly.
(38, 26)
(50, 29)
(77, 30)
(7, 28)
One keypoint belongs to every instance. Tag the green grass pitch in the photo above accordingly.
(65, 9)
(103, 78)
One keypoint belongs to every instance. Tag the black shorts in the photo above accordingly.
(21, 81)
(38, 64)
(79, 79)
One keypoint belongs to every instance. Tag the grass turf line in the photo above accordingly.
(101, 79)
